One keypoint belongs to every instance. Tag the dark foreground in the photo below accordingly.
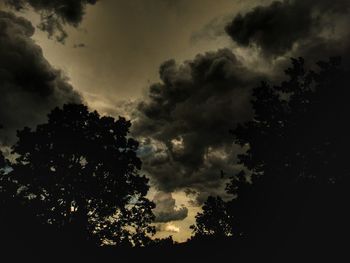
(292, 248)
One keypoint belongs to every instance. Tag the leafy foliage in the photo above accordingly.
(214, 220)
(297, 160)
(79, 172)
(299, 128)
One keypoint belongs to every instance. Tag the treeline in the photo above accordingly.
(291, 200)
(74, 183)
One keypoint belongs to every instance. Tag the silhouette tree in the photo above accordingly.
(214, 220)
(296, 189)
(296, 130)
(79, 172)
(299, 134)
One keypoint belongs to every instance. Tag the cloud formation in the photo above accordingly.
(168, 227)
(30, 87)
(186, 120)
(55, 13)
(166, 209)
(186, 117)
(278, 27)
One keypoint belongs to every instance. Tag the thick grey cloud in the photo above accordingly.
(187, 118)
(187, 115)
(166, 209)
(30, 87)
(278, 27)
(55, 13)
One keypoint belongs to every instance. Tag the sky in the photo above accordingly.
(124, 42)
(181, 70)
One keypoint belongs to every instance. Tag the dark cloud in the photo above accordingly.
(187, 118)
(169, 228)
(55, 13)
(30, 87)
(276, 28)
(166, 209)
(188, 114)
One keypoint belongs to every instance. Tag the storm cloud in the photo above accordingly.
(55, 14)
(30, 87)
(166, 209)
(282, 25)
(186, 120)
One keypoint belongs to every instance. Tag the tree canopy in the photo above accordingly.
(295, 179)
(214, 220)
(80, 173)
(300, 127)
